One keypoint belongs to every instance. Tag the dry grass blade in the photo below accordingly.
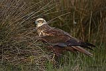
(83, 19)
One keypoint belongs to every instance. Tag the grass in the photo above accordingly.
(83, 19)
(69, 62)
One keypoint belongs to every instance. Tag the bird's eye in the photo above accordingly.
(40, 21)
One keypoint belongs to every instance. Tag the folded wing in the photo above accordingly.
(57, 37)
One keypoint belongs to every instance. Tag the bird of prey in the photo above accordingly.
(60, 41)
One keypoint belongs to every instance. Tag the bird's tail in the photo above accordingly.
(80, 49)
(73, 42)
(87, 45)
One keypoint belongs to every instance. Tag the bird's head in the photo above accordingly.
(40, 21)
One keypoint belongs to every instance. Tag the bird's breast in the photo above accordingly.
(40, 33)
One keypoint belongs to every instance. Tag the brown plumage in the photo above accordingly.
(60, 40)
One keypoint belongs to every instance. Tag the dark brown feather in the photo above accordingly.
(62, 41)
(53, 35)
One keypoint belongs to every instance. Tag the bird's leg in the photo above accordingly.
(50, 48)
